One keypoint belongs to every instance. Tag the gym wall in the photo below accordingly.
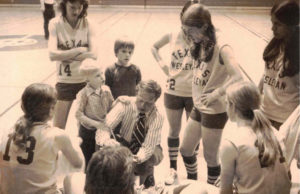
(263, 3)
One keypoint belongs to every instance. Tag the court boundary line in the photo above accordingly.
(16, 102)
(259, 35)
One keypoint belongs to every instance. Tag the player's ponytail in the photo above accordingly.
(245, 98)
(22, 131)
(37, 101)
(267, 143)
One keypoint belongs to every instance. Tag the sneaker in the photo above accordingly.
(149, 182)
(171, 177)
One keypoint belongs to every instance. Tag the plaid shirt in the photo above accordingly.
(93, 105)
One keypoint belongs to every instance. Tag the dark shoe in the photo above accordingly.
(149, 182)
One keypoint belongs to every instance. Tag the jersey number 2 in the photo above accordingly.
(29, 150)
(171, 83)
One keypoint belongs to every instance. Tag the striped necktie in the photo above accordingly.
(138, 134)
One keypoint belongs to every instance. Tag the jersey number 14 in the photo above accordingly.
(65, 68)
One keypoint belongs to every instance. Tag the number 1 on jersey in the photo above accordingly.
(66, 69)
(29, 150)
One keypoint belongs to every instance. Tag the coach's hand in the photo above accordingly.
(136, 159)
(111, 142)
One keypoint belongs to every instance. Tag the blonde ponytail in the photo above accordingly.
(267, 143)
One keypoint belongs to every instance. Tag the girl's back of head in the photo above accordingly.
(110, 170)
(37, 102)
(244, 99)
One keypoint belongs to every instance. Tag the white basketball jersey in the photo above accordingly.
(31, 170)
(250, 175)
(179, 82)
(207, 77)
(68, 38)
(280, 94)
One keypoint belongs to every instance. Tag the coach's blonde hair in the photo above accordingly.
(245, 98)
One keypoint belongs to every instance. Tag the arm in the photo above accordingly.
(42, 5)
(92, 51)
(60, 55)
(81, 117)
(261, 85)
(108, 78)
(228, 156)
(139, 76)
(155, 52)
(232, 68)
(110, 99)
(234, 75)
(72, 152)
(113, 118)
(152, 139)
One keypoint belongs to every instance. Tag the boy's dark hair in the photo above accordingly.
(123, 42)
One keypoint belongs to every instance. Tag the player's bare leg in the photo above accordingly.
(62, 109)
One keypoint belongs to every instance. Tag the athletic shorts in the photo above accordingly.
(213, 121)
(68, 92)
(178, 102)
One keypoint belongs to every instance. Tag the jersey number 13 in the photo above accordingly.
(29, 150)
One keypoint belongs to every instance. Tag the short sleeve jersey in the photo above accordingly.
(280, 94)
(68, 38)
(250, 176)
(207, 77)
(180, 78)
(31, 170)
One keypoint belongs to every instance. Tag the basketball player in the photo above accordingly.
(215, 68)
(71, 41)
(251, 156)
(28, 156)
(178, 94)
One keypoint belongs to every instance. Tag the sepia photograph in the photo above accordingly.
(149, 97)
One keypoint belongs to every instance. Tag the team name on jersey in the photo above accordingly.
(201, 79)
(281, 85)
(71, 44)
(198, 64)
(187, 66)
(200, 82)
(179, 54)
